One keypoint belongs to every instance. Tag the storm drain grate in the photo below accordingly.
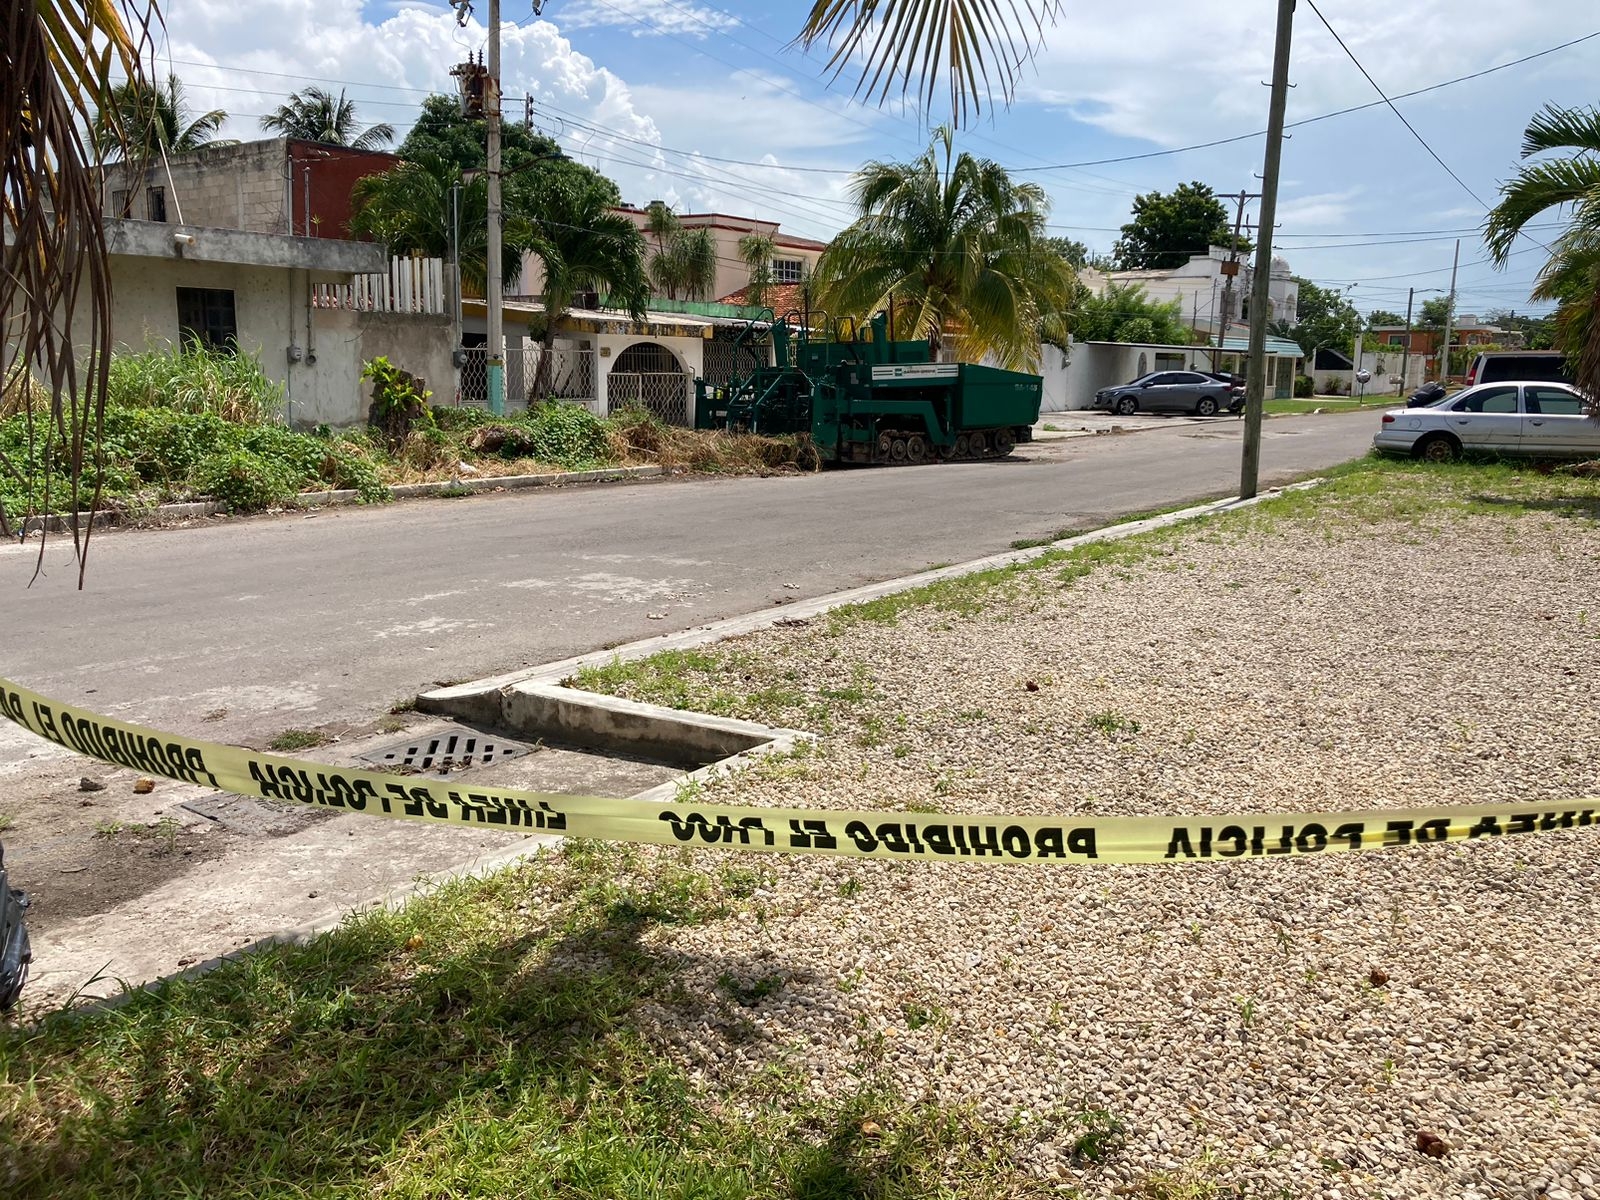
(446, 752)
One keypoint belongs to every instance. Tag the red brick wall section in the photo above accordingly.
(332, 171)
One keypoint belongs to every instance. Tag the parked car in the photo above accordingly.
(1506, 366)
(1539, 420)
(1167, 391)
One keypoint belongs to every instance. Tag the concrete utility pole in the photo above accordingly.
(1449, 316)
(1405, 354)
(494, 289)
(1230, 270)
(1260, 293)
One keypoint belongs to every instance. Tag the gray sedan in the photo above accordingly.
(1167, 391)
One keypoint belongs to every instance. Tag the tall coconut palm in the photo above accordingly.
(56, 63)
(150, 119)
(409, 209)
(318, 116)
(953, 246)
(1571, 276)
(971, 46)
(584, 246)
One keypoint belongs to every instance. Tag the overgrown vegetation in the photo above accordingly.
(203, 423)
(494, 1039)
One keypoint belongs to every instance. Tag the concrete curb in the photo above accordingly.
(535, 702)
(481, 700)
(402, 491)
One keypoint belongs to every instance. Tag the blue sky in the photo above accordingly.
(656, 92)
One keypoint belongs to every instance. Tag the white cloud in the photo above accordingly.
(648, 18)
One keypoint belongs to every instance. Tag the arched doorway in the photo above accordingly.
(647, 375)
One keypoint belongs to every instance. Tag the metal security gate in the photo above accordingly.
(648, 375)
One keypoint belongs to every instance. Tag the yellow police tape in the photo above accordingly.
(858, 834)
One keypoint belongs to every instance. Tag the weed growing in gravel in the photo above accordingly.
(108, 829)
(753, 993)
(1112, 723)
(6, 822)
(917, 1015)
(1096, 1134)
(298, 739)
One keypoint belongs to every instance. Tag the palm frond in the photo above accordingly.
(1536, 188)
(972, 47)
(1556, 128)
(56, 64)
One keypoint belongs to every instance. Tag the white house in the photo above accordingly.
(1199, 285)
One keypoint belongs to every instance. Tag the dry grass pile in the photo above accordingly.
(640, 437)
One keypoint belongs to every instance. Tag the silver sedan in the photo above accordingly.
(1536, 420)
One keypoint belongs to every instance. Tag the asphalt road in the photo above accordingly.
(309, 619)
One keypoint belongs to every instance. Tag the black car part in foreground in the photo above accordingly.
(15, 953)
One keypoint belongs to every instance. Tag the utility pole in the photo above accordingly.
(1449, 316)
(1230, 270)
(494, 290)
(1260, 293)
(1405, 354)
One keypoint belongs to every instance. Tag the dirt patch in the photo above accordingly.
(81, 876)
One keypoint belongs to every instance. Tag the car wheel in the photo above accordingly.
(1127, 405)
(1206, 407)
(1438, 448)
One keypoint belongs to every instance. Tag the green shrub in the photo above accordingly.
(568, 435)
(452, 419)
(195, 379)
(1304, 387)
(244, 481)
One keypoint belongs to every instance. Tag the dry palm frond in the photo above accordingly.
(56, 64)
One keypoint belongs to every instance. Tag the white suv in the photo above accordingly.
(1503, 366)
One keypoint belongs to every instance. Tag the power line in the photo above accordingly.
(1242, 137)
(1354, 108)
(1368, 76)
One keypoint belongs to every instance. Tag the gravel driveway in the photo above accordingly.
(1263, 1028)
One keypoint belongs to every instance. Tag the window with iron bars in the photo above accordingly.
(787, 270)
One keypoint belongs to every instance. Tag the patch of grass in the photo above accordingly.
(485, 1041)
(298, 739)
(1327, 404)
(1046, 540)
(108, 829)
(7, 821)
(1112, 723)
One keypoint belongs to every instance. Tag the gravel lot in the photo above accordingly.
(1262, 1028)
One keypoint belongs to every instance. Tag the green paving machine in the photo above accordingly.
(859, 397)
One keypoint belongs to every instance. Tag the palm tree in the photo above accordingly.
(408, 208)
(685, 260)
(584, 246)
(952, 246)
(919, 43)
(154, 119)
(756, 250)
(318, 116)
(56, 58)
(1571, 276)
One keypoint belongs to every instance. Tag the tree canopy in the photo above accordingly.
(1125, 313)
(683, 264)
(1433, 312)
(315, 115)
(527, 158)
(1169, 229)
(1324, 317)
(140, 119)
(957, 248)
(1382, 316)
